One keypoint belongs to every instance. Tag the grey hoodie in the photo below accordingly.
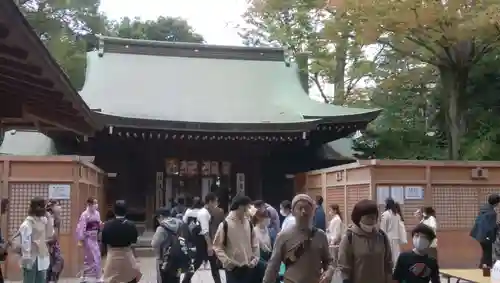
(173, 224)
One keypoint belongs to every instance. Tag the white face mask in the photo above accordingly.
(420, 243)
(282, 212)
(367, 228)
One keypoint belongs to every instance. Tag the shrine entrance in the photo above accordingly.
(193, 178)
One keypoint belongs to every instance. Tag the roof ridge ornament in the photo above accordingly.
(100, 50)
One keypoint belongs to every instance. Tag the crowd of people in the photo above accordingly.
(251, 243)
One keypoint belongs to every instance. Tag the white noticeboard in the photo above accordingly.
(397, 194)
(414, 192)
(59, 191)
(383, 193)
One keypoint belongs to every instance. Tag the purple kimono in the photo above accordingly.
(87, 231)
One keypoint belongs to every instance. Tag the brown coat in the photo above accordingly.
(120, 266)
(309, 266)
(365, 257)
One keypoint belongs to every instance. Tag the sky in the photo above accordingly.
(215, 20)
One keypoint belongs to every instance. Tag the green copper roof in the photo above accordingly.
(341, 149)
(188, 87)
(27, 143)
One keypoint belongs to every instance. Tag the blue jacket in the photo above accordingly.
(485, 226)
(320, 218)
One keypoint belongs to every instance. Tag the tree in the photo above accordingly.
(300, 26)
(161, 29)
(406, 129)
(452, 36)
(62, 25)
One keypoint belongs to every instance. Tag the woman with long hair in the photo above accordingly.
(56, 260)
(390, 223)
(335, 229)
(429, 219)
(34, 232)
(265, 236)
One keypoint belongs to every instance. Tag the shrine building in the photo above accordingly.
(182, 119)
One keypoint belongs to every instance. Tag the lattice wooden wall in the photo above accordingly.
(20, 195)
(335, 195)
(456, 206)
(355, 193)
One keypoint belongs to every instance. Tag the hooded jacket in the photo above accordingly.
(365, 257)
(161, 234)
(485, 226)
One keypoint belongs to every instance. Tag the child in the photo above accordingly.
(416, 266)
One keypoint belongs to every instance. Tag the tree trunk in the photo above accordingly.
(341, 47)
(454, 82)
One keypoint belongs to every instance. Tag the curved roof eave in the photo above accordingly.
(151, 124)
(367, 117)
(60, 78)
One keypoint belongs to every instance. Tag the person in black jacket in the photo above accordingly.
(119, 234)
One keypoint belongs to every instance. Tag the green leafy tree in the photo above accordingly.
(301, 26)
(451, 36)
(161, 29)
(62, 25)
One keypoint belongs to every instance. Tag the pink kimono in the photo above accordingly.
(87, 231)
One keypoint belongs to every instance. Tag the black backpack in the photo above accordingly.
(193, 229)
(173, 253)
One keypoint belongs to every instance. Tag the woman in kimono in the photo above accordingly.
(56, 259)
(87, 232)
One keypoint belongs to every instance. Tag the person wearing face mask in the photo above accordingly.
(87, 231)
(235, 243)
(416, 266)
(302, 248)
(56, 259)
(286, 211)
(364, 251)
(35, 231)
(265, 237)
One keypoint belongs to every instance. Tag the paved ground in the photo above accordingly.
(149, 274)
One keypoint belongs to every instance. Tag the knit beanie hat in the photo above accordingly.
(303, 197)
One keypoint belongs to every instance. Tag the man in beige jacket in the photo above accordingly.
(235, 244)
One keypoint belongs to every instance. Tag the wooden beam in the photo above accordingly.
(10, 108)
(33, 86)
(56, 105)
(21, 65)
(37, 114)
(13, 72)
